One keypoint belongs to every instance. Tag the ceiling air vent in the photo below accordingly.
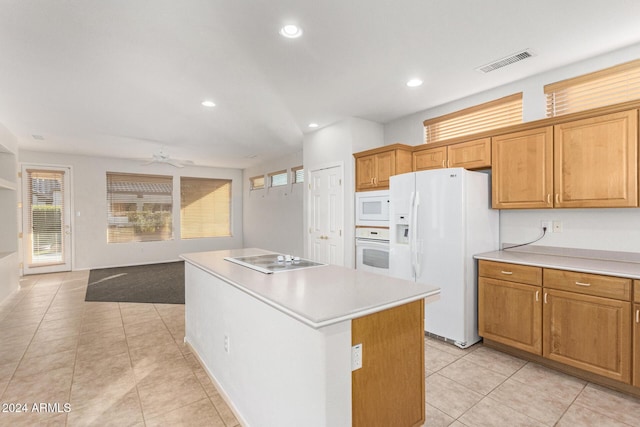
(516, 57)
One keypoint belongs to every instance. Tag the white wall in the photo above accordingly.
(88, 182)
(272, 217)
(604, 229)
(409, 129)
(333, 145)
(9, 258)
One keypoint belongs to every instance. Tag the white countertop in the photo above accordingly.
(316, 296)
(621, 264)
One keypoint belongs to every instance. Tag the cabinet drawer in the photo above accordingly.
(636, 290)
(588, 284)
(511, 272)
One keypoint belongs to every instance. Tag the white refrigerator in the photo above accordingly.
(439, 219)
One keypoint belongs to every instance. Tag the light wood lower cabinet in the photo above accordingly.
(587, 332)
(636, 345)
(389, 388)
(636, 333)
(510, 313)
(580, 320)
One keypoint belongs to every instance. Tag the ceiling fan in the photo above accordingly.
(162, 157)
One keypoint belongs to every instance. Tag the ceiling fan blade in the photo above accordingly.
(174, 163)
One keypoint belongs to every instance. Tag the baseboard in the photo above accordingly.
(217, 385)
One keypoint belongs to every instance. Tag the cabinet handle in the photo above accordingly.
(545, 297)
(637, 316)
(537, 296)
(448, 163)
(548, 198)
(375, 180)
(506, 272)
(583, 284)
(372, 181)
(443, 165)
(557, 198)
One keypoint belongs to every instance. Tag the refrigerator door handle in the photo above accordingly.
(411, 240)
(415, 233)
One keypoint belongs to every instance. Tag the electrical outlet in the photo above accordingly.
(226, 344)
(557, 226)
(546, 224)
(356, 357)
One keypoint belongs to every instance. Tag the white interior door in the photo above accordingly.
(326, 216)
(46, 219)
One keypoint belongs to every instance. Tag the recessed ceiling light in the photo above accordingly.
(208, 103)
(313, 125)
(414, 83)
(38, 137)
(291, 31)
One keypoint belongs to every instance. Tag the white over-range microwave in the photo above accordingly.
(372, 208)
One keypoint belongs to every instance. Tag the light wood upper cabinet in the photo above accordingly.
(474, 154)
(595, 161)
(587, 332)
(470, 155)
(375, 167)
(433, 158)
(522, 169)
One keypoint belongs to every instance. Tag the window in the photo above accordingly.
(605, 87)
(45, 189)
(139, 207)
(205, 207)
(256, 183)
(297, 174)
(276, 179)
(499, 113)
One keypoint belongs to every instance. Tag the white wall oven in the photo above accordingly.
(372, 250)
(372, 208)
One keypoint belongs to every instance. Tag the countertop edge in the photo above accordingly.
(431, 295)
(604, 267)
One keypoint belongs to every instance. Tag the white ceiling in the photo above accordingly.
(125, 78)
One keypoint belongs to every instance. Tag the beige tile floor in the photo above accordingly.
(483, 387)
(118, 364)
(125, 364)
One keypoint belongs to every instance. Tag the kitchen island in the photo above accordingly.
(279, 346)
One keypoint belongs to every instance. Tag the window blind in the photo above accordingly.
(495, 114)
(46, 202)
(277, 179)
(205, 207)
(256, 182)
(612, 85)
(139, 207)
(297, 174)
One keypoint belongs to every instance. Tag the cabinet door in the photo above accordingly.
(434, 158)
(385, 168)
(389, 389)
(587, 332)
(365, 172)
(510, 313)
(636, 345)
(470, 155)
(522, 169)
(595, 161)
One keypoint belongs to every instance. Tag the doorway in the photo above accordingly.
(46, 219)
(326, 215)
